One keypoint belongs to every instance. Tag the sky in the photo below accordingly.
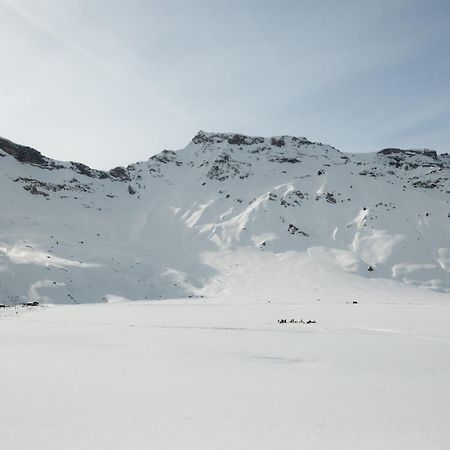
(109, 82)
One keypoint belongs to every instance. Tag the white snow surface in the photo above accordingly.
(189, 223)
(198, 374)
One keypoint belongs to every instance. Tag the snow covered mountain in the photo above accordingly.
(226, 212)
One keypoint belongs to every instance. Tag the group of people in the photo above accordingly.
(296, 321)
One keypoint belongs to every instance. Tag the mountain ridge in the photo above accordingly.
(27, 154)
(180, 223)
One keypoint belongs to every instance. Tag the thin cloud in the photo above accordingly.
(109, 83)
(102, 64)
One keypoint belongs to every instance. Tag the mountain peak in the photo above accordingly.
(241, 139)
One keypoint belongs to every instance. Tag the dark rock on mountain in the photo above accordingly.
(224, 167)
(86, 170)
(166, 156)
(23, 153)
(120, 173)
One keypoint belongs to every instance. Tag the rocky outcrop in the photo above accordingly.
(29, 155)
(23, 153)
(224, 167)
(119, 173)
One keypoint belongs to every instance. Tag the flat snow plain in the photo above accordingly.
(224, 374)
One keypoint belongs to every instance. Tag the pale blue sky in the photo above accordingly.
(109, 82)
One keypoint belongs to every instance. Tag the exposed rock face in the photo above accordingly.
(224, 167)
(166, 156)
(400, 152)
(295, 230)
(330, 198)
(411, 159)
(23, 153)
(119, 173)
(233, 139)
(85, 170)
(31, 185)
(34, 190)
(32, 156)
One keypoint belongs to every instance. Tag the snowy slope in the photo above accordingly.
(225, 211)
